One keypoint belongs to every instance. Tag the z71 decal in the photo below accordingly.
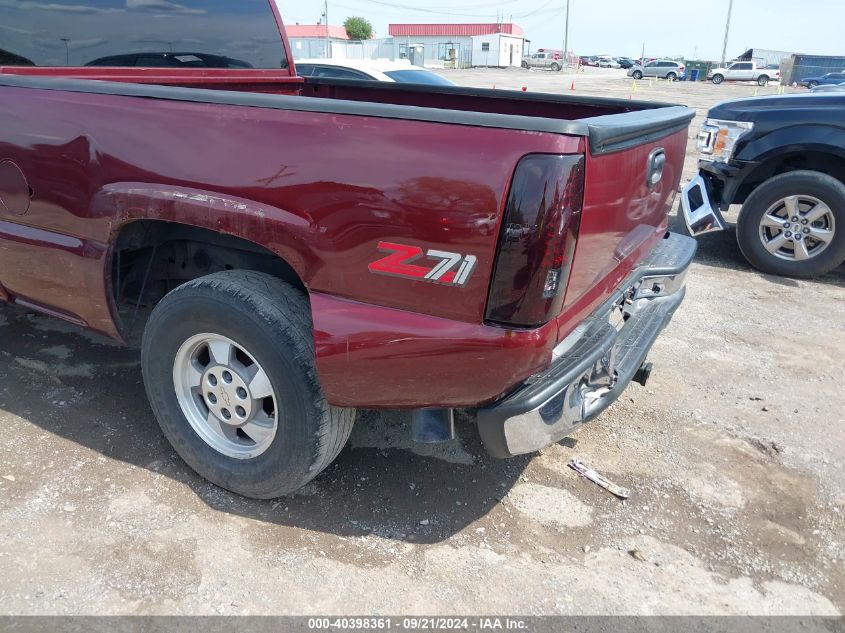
(452, 269)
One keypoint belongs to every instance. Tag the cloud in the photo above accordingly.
(73, 45)
(162, 5)
(172, 40)
(62, 8)
(90, 43)
(72, 8)
(14, 30)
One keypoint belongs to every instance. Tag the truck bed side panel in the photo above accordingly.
(322, 190)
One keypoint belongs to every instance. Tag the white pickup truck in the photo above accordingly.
(745, 71)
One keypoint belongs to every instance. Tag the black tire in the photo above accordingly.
(810, 183)
(672, 77)
(272, 320)
(637, 75)
(525, 65)
(555, 67)
(763, 80)
(812, 84)
(717, 79)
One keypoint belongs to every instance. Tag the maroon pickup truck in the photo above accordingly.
(290, 249)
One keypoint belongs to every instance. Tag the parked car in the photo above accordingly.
(744, 71)
(781, 158)
(824, 80)
(624, 62)
(661, 68)
(544, 58)
(607, 62)
(290, 249)
(829, 88)
(370, 70)
(8, 59)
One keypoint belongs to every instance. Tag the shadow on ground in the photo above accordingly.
(720, 250)
(85, 389)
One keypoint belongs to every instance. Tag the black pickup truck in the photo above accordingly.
(783, 159)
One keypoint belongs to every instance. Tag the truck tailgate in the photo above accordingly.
(633, 171)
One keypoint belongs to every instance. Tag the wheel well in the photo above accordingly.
(151, 257)
(781, 164)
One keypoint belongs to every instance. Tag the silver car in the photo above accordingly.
(661, 68)
(829, 88)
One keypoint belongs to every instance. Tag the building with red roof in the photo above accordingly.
(463, 45)
(450, 45)
(315, 31)
(454, 30)
(309, 40)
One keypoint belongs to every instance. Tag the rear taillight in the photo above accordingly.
(537, 241)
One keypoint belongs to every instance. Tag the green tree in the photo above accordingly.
(358, 28)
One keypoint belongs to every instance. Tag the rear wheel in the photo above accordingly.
(813, 84)
(794, 225)
(672, 77)
(763, 80)
(525, 64)
(637, 74)
(228, 365)
(717, 79)
(555, 67)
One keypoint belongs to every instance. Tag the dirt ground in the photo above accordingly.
(734, 453)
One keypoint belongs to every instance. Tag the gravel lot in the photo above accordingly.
(734, 453)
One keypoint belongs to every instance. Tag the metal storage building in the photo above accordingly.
(766, 55)
(802, 66)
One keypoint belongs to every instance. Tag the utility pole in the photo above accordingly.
(328, 40)
(566, 38)
(727, 31)
(67, 50)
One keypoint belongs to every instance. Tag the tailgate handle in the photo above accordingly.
(656, 163)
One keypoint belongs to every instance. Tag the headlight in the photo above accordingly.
(717, 139)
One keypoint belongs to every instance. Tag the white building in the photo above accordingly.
(451, 45)
(312, 41)
(497, 50)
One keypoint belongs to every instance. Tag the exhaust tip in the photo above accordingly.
(643, 373)
(432, 426)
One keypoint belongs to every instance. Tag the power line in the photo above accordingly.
(460, 10)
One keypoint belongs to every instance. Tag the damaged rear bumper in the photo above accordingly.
(593, 365)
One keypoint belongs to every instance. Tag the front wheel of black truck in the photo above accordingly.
(794, 225)
(228, 365)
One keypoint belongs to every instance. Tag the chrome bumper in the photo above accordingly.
(593, 365)
(699, 213)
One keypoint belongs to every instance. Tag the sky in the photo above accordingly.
(694, 29)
